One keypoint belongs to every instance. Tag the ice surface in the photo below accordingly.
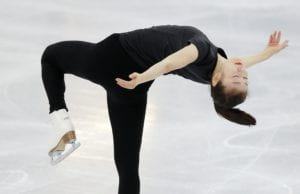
(186, 147)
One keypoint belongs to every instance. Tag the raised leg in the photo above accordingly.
(53, 81)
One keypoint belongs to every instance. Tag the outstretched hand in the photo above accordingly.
(274, 45)
(129, 84)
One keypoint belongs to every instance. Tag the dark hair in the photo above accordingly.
(224, 103)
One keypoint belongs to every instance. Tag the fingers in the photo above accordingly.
(124, 83)
(279, 36)
(275, 37)
(270, 39)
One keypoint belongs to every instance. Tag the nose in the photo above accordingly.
(240, 68)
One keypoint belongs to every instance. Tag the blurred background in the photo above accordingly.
(187, 147)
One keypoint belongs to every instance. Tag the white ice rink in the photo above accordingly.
(187, 148)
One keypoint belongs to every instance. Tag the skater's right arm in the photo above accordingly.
(176, 60)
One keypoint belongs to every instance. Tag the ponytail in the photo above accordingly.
(224, 103)
(235, 115)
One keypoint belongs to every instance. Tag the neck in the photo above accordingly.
(220, 62)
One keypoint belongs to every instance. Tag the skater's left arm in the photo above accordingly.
(273, 47)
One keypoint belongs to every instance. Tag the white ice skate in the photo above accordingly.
(67, 139)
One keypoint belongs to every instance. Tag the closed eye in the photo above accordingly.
(238, 76)
(239, 83)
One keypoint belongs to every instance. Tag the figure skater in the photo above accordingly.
(125, 65)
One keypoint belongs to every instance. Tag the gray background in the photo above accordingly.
(187, 147)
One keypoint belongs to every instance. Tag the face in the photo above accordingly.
(235, 76)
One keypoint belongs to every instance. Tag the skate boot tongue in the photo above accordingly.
(61, 122)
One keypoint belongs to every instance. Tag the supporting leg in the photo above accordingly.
(127, 121)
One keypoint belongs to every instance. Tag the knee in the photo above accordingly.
(47, 55)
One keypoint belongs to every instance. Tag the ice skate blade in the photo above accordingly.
(61, 156)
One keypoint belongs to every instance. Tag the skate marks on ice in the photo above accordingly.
(9, 179)
(252, 146)
(12, 176)
(261, 146)
(34, 127)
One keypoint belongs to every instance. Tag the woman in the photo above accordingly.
(142, 55)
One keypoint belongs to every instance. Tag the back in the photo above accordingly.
(148, 46)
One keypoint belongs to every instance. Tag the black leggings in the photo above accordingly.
(101, 63)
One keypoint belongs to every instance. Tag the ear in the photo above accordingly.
(216, 78)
